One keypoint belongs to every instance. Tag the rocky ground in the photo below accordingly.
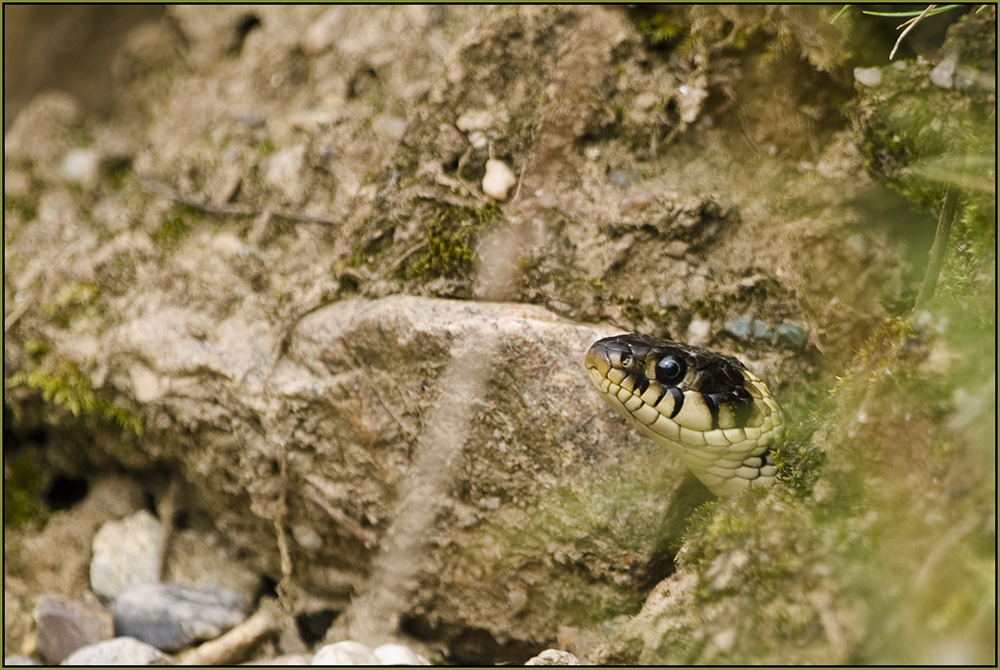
(295, 336)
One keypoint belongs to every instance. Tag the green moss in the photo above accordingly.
(265, 146)
(657, 27)
(63, 384)
(450, 242)
(76, 306)
(907, 122)
(118, 174)
(26, 208)
(24, 480)
(175, 227)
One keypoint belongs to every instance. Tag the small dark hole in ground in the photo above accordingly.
(268, 587)
(249, 22)
(313, 625)
(149, 502)
(64, 492)
(182, 520)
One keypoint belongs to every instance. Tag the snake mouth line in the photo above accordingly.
(707, 408)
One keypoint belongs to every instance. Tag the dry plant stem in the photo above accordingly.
(232, 646)
(940, 246)
(913, 22)
(279, 527)
(166, 510)
(367, 537)
(159, 189)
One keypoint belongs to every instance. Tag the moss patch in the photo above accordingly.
(450, 242)
(175, 227)
(63, 384)
(24, 480)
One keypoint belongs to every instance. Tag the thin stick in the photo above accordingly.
(163, 191)
(912, 22)
(231, 646)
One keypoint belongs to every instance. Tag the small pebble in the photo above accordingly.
(698, 332)
(517, 600)
(398, 654)
(283, 170)
(64, 625)
(119, 651)
(554, 657)
(18, 659)
(346, 652)
(307, 538)
(125, 552)
(738, 327)
(762, 331)
(636, 202)
(498, 180)
(868, 76)
(478, 139)
(941, 76)
(171, 616)
(619, 179)
(677, 248)
(793, 335)
(81, 166)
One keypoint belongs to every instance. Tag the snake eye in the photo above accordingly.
(670, 370)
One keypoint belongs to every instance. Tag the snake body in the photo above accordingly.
(707, 408)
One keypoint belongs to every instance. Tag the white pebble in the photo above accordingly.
(346, 652)
(941, 76)
(399, 654)
(554, 657)
(868, 76)
(498, 180)
(478, 139)
(81, 166)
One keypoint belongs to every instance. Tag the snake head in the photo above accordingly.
(706, 407)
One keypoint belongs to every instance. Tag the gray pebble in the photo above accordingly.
(677, 248)
(171, 616)
(18, 659)
(793, 335)
(619, 179)
(119, 651)
(554, 657)
(738, 327)
(868, 76)
(636, 202)
(64, 625)
(125, 552)
(941, 76)
(762, 331)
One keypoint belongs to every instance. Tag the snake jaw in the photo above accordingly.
(707, 408)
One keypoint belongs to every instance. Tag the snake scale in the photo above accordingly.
(707, 408)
